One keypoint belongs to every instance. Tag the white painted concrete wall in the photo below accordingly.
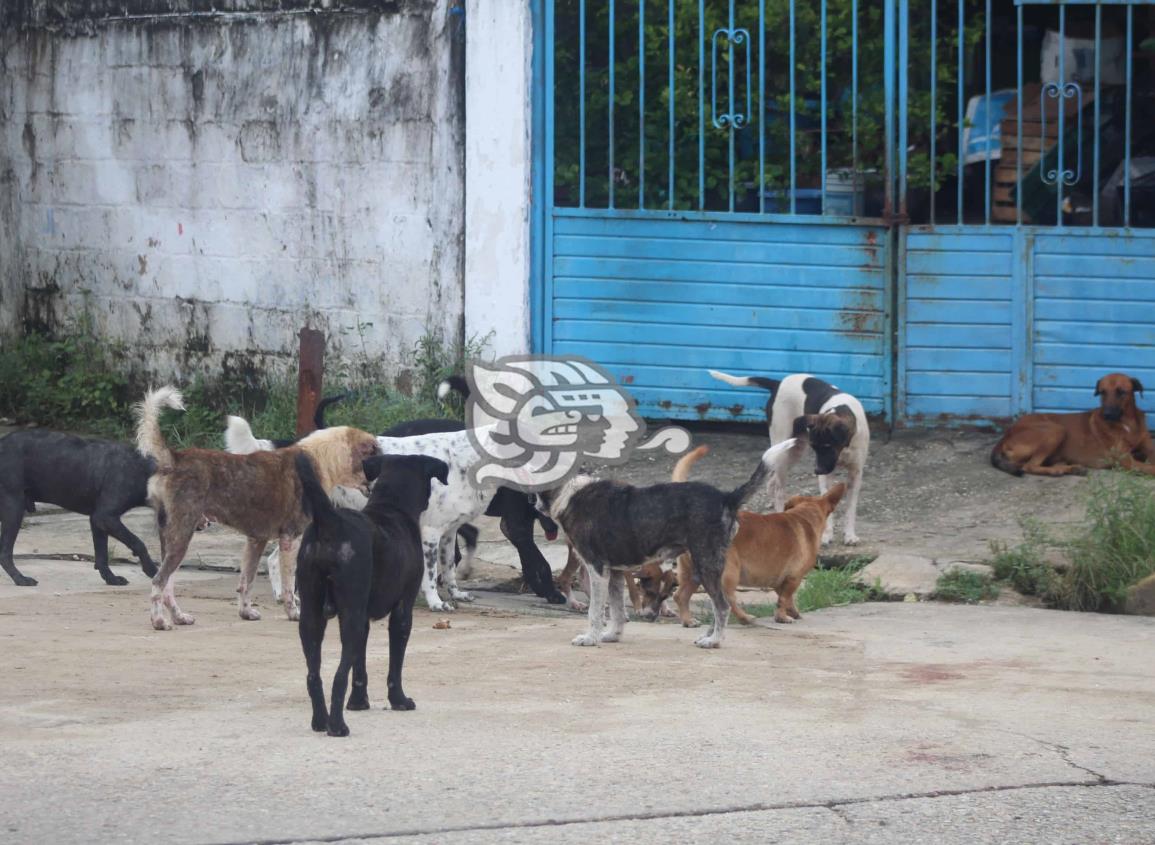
(498, 192)
(202, 189)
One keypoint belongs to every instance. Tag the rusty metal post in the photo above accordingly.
(311, 367)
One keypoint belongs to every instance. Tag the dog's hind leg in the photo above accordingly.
(353, 624)
(11, 515)
(430, 543)
(359, 697)
(289, 547)
(273, 568)
(450, 571)
(599, 589)
(254, 548)
(312, 633)
(709, 572)
(463, 563)
(178, 534)
(686, 587)
(617, 600)
(111, 524)
(400, 624)
(100, 554)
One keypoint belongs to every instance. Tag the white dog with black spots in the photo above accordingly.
(450, 505)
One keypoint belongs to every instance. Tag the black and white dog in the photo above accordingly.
(99, 478)
(614, 526)
(835, 425)
(367, 565)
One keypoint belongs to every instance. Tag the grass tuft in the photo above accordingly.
(965, 587)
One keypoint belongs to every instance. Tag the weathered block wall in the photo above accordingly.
(202, 185)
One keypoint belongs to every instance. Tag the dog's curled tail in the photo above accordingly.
(314, 499)
(686, 463)
(149, 440)
(770, 384)
(999, 460)
(322, 406)
(239, 438)
(769, 464)
(453, 384)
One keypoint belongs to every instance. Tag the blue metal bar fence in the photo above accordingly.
(793, 129)
(761, 106)
(641, 103)
(961, 107)
(581, 97)
(701, 105)
(933, 101)
(612, 62)
(988, 110)
(903, 97)
(822, 86)
(1128, 67)
(1098, 124)
(671, 93)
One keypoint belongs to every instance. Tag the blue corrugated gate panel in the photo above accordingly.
(660, 301)
(1094, 313)
(957, 345)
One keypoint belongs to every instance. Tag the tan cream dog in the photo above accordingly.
(773, 551)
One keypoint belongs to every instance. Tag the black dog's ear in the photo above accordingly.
(438, 469)
(802, 425)
(1137, 386)
(1099, 387)
(372, 466)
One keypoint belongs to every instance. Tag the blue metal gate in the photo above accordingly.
(716, 178)
(943, 206)
(1028, 270)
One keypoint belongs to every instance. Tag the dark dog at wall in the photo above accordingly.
(1068, 444)
(367, 565)
(102, 479)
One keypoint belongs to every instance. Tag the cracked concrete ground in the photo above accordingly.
(872, 723)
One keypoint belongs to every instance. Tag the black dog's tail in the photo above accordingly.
(771, 458)
(315, 500)
(999, 460)
(770, 384)
(322, 406)
(453, 384)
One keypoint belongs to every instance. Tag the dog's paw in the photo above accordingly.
(460, 595)
(584, 639)
(556, 598)
(611, 637)
(24, 581)
(850, 539)
(1077, 470)
(708, 641)
(250, 613)
(320, 722)
(113, 580)
(338, 728)
(579, 606)
(161, 624)
(403, 703)
(693, 623)
(179, 617)
(292, 612)
(783, 619)
(148, 568)
(358, 702)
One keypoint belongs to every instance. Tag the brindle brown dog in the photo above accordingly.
(1114, 434)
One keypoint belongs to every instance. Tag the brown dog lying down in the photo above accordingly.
(773, 551)
(1067, 444)
(258, 495)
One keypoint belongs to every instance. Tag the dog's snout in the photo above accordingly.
(1112, 413)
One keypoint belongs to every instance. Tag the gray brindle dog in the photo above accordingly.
(614, 527)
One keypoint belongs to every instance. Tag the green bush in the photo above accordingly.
(1116, 546)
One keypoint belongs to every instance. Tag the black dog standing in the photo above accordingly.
(367, 565)
(99, 478)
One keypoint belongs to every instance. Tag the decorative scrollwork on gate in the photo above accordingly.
(1059, 93)
(737, 37)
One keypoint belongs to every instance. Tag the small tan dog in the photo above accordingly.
(773, 551)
